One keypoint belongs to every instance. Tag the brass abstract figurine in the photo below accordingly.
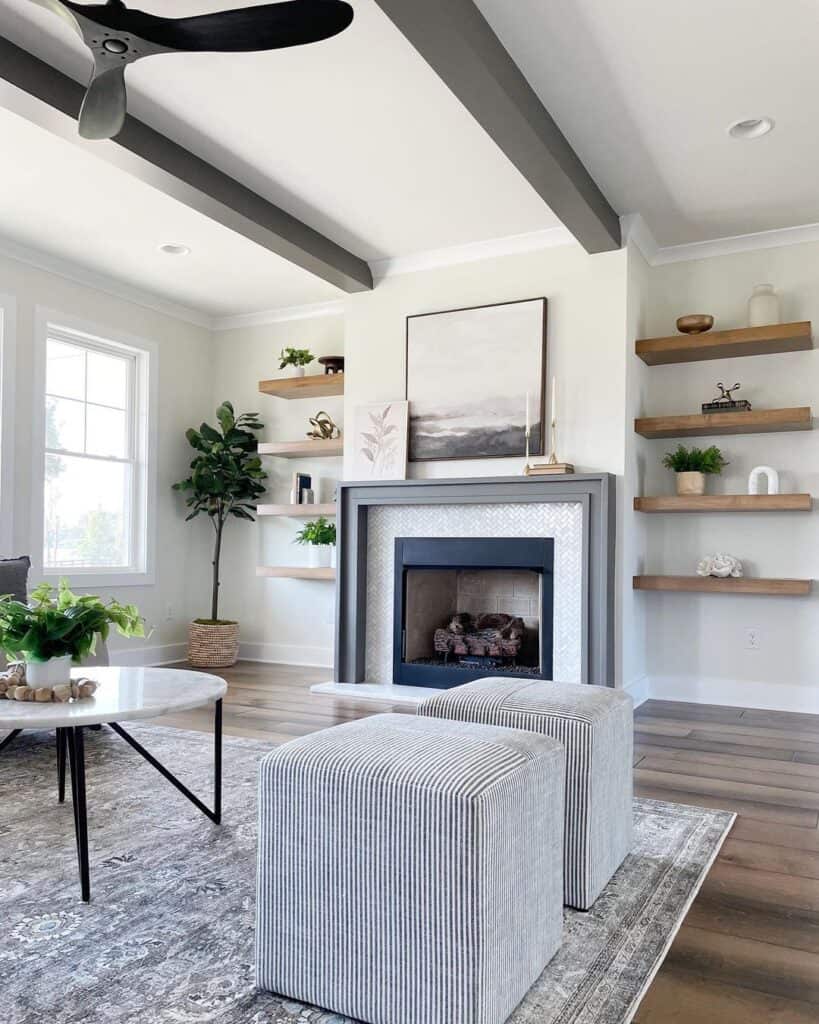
(324, 429)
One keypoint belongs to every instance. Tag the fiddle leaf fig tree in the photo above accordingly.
(226, 478)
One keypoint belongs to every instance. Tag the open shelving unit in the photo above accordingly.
(743, 341)
(725, 503)
(295, 572)
(763, 421)
(327, 385)
(713, 585)
(687, 348)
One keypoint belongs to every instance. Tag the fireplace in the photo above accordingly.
(466, 608)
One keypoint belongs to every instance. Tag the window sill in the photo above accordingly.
(93, 580)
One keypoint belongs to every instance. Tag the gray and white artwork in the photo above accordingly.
(469, 373)
(380, 451)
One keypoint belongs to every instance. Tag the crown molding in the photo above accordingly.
(637, 231)
(101, 282)
(472, 252)
(278, 316)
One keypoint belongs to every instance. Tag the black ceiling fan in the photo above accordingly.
(117, 36)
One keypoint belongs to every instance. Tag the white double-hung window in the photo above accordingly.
(96, 453)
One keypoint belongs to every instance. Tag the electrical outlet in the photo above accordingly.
(753, 640)
(169, 613)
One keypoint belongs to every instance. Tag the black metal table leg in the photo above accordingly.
(76, 758)
(11, 736)
(215, 815)
(61, 752)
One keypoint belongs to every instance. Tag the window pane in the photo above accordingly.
(65, 370)
(106, 432)
(86, 513)
(65, 424)
(108, 379)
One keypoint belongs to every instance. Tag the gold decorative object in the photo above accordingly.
(324, 429)
(695, 323)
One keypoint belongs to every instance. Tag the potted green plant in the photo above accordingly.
(298, 358)
(320, 539)
(57, 628)
(692, 465)
(225, 482)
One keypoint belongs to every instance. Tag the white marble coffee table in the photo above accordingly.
(124, 695)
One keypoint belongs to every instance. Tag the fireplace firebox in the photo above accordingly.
(466, 608)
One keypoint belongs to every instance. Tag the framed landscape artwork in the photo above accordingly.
(469, 372)
(380, 441)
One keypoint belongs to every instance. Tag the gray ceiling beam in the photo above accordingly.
(158, 161)
(458, 43)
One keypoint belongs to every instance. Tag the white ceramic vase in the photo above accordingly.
(54, 672)
(297, 371)
(763, 306)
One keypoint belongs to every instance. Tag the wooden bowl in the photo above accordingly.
(695, 323)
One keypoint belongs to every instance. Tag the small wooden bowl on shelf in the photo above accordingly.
(695, 323)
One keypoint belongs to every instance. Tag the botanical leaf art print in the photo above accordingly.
(381, 441)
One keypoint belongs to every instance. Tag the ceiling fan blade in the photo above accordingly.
(58, 8)
(265, 27)
(103, 110)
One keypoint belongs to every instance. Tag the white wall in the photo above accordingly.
(184, 397)
(282, 620)
(697, 643)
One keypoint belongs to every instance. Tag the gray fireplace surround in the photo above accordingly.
(594, 493)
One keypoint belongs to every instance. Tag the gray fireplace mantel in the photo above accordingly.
(596, 494)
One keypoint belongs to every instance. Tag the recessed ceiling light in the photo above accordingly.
(174, 249)
(751, 128)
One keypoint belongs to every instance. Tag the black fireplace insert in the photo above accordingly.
(466, 608)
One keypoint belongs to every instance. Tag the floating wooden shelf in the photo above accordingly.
(726, 503)
(305, 449)
(295, 572)
(325, 385)
(297, 511)
(712, 585)
(746, 341)
(763, 421)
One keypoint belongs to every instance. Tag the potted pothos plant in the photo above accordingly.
(692, 465)
(319, 537)
(58, 628)
(298, 358)
(225, 482)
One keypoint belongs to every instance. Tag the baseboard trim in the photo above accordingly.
(742, 693)
(287, 654)
(143, 657)
(639, 690)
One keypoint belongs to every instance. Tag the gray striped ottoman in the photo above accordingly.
(410, 870)
(595, 724)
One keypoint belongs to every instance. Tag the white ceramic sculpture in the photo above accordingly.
(771, 478)
(722, 566)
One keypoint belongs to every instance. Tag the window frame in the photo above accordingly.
(60, 326)
(8, 342)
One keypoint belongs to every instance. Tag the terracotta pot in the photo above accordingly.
(690, 483)
(213, 644)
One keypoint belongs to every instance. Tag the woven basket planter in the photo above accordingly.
(213, 645)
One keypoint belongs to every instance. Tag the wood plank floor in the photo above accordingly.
(748, 952)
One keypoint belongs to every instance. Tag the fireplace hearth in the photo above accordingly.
(470, 607)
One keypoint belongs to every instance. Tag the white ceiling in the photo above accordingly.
(645, 91)
(356, 136)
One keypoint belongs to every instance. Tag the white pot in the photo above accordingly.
(54, 672)
(318, 556)
(763, 306)
(298, 371)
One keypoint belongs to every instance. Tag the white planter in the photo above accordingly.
(54, 672)
(318, 556)
(297, 371)
(763, 306)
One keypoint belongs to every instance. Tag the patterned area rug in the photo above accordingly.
(168, 936)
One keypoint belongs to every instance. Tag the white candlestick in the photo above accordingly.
(554, 399)
(528, 425)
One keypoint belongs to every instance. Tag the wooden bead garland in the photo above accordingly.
(13, 687)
